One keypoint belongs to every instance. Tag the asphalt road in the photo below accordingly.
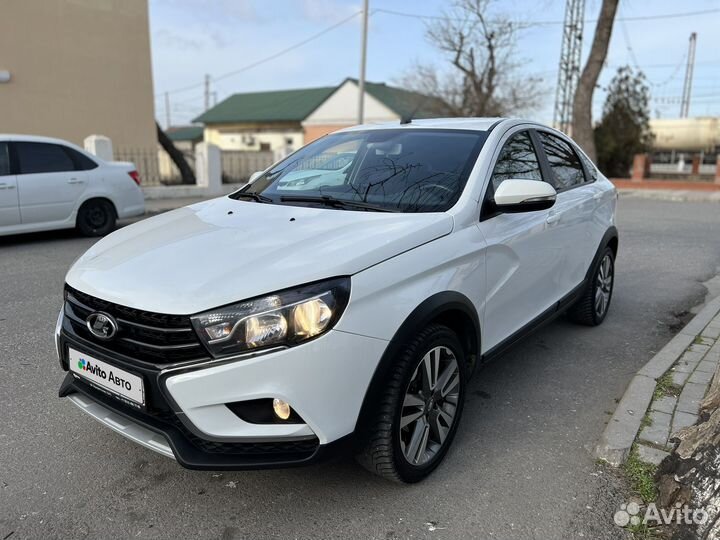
(521, 466)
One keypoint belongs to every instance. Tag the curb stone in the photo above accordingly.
(626, 422)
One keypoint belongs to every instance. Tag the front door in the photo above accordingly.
(49, 184)
(522, 257)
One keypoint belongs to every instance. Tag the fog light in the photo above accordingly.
(281, 408)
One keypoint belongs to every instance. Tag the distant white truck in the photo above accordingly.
(48, 184)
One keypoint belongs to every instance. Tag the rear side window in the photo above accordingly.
(82, 162)
(517, 160)
(564, 162)
(4, 159)
(589, 168)
(42, 158)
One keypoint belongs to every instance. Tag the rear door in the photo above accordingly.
(570, 218)
(9, 208)
(49, 182)
(522, 257)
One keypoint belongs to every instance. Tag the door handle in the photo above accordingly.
(553, 217)
(7, 186)
(75, 181)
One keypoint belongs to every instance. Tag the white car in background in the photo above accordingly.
(48, 184)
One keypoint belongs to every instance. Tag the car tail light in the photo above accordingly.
(135, 176)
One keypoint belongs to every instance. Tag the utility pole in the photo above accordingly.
(207, 91)
(569, 68)
(687, 86)
(167, 110)
(363, 59)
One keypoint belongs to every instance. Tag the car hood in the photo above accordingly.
(222, 251)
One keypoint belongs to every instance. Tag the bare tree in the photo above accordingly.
(582, 130)
(186, 172)
(482, 80)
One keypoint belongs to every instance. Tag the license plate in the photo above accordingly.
(111, 378)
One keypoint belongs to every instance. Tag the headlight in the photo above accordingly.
(285, 318)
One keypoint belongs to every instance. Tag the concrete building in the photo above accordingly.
(76, 68)
(288, 119)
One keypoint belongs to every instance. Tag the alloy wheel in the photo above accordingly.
(603, 285)
(430, 405)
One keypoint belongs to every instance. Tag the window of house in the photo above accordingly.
(564, 162)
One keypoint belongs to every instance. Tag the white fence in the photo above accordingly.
(238, 165)
(157, 169)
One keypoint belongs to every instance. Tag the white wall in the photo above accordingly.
(341, 108)
(240, 139)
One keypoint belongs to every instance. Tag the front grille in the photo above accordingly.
(153, 338)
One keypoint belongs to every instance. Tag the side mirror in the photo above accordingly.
(254, 176)
(524, 196)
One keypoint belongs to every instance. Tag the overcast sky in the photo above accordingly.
(193, 37)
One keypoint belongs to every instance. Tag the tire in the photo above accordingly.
(592, 307)
(385, 446)
(96, 218)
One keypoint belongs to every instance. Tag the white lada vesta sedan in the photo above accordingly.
(341, 299)
(48, 184)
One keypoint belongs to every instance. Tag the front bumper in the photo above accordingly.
(187, 416)
(170, 439)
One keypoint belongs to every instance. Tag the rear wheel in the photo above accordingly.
(419, 410)
(592, 307)
(96, 218)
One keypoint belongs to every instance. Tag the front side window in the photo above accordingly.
(564, 162)
(517, 160)
(42, 158)
(400, 170)
(4, 159)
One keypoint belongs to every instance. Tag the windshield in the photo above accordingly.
(400, 170)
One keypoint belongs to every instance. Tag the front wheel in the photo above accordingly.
(592, 307)
(419, 410)
(96, 218)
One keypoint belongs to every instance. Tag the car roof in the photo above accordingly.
(32, 138)
(474, 124)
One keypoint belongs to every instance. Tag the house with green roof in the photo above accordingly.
(288, 119)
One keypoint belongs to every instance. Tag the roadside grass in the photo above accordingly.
(665, 387)
(646, 421)
(641, 476)
(642, 532)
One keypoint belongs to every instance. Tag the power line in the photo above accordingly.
(267, 58)
(548, 23)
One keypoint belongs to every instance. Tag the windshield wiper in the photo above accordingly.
(254, 196)
(336, 203)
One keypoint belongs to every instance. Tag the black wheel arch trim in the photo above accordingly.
(431, 309)
(610, 235)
